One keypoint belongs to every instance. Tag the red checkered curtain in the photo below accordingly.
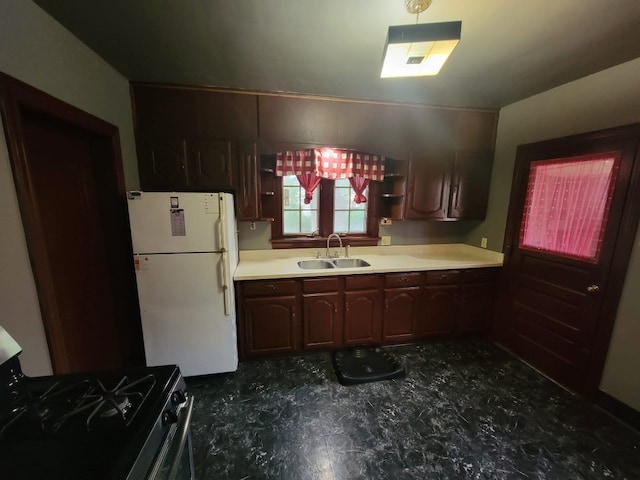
(332, 163)
(336, 163)
(360, 168)
(302, 164)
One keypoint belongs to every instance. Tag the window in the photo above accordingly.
(297, 216)
(348, 216)
(321, 191)
(567, 206)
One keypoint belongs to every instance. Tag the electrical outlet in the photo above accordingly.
(483, 242)
(385, 240)
(385, 221)
(252, 226)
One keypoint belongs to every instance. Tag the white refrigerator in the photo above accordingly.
(185, 254)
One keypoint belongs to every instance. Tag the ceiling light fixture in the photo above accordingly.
(421, 49)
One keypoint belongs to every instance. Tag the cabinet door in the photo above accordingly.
(441, 304)
(210, 164)
(162, 164)
(476, 307)
(427, 188)
(270, 325)
(227, 115)
(322, 320)
(401, 307)
(362, 317)
(164, 112)
(247, 183)
(470, 185)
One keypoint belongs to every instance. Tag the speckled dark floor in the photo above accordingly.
(465, 410)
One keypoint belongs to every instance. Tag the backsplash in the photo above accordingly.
(401, 233)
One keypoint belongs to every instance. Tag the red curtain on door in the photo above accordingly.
(567, 205)
(313, 164)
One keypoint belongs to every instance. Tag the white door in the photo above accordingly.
(182, 307)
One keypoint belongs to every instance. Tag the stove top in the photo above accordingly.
(81, 425)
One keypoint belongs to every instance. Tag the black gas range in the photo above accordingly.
(127, 424)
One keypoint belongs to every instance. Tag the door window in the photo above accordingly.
(566, 205)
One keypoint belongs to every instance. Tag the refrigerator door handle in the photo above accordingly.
(222, 224)
(225, 284)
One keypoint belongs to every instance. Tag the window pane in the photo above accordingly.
(356, 223)
(341, 221)
(291, 221)
(349, 217)
(297, 217)
(342, 198)
(290, 180)
(308, 221)
(567, 206)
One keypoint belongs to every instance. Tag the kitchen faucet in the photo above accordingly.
(329, 239)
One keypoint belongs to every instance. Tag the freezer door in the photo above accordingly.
(169, 222)
(182, 311)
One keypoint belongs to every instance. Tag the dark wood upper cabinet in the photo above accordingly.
(427, 187)
(164, 112)
(475, 130)
(210, 164)
(162, 163)
(471, 177)
(204, 139)
(227, 115)
(300, 120)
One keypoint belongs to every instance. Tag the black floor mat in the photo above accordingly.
(361, 365)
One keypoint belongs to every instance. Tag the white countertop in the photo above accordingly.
(283, 263)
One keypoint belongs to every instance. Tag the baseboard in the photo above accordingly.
(618, 409)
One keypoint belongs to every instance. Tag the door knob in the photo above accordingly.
(593, 289)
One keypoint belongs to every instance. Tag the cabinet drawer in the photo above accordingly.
(361, 282)
(318, 285)
(443, 277)
(480, 275)
(392, 280)
(269, 287)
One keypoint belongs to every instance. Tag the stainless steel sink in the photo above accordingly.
(350, 263)
(314, 264)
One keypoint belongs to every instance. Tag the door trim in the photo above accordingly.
(625, 238)
(16, 98)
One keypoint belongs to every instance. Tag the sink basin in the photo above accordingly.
(350, 263)
(314, 264)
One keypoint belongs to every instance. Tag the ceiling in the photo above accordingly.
(510, 49)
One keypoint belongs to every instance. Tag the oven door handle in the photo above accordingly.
(183, 432)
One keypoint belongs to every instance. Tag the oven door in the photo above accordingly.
(175, 459)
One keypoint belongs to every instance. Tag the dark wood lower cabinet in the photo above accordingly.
(322, 320)
(271, 325)
(439, 315)
(476, 306)
(362, 314)
(401, 310)
(290, 315)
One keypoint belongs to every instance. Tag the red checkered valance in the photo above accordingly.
(330, 163)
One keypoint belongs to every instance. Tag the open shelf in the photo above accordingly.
(393, 189)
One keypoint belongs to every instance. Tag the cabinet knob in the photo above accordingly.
(593, 289)
(270, 287)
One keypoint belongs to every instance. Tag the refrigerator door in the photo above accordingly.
(171, 222)
(182, 310)
(228, 244)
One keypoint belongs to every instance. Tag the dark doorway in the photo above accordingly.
(68, 175)
(572, 222)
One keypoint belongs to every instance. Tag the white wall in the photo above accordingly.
(36, 49)
(605, 99)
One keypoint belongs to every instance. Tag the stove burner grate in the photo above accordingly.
(87, 401)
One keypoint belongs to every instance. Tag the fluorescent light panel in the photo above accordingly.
(419, 50)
